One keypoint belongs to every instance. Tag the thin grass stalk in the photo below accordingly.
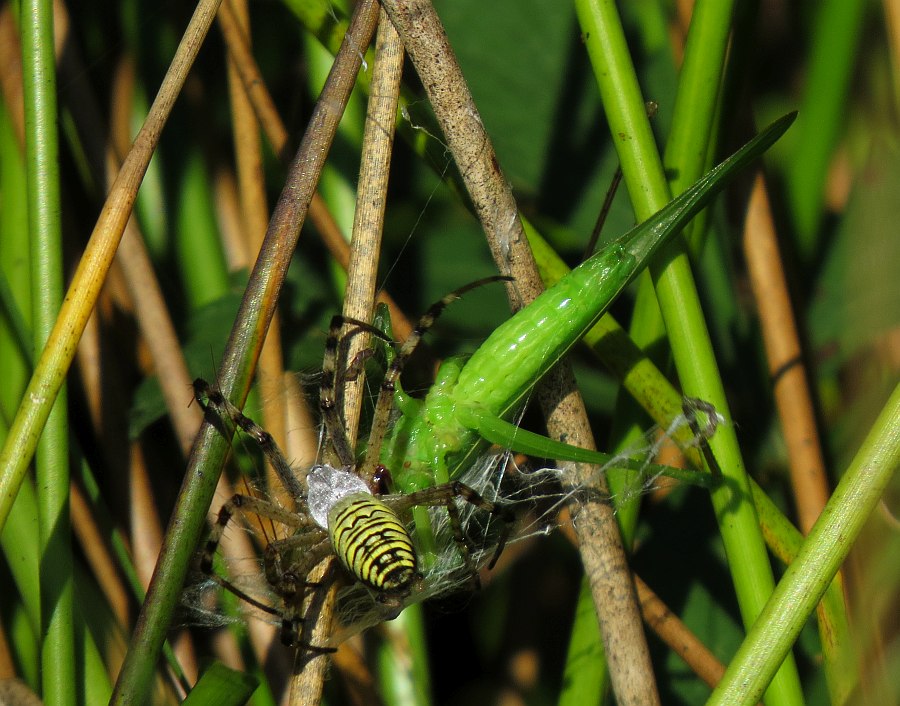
(99, 558)
(328, 28)
(145, 292)
(687, 147)
(199, 256)
(495, 207)
(687, 144)
(677, 636)
(19, 538)
(240, 354)
(368, 222)
(95, 681)
(149, 306)
(689, 337)
(643, 174)
(254, 217)
(241, 57)
(336, 190)
(155, 324)
(117, 544)
(22, 550)
(403, 663)
(365, 248)
(58, 657)
(786, 366)
(586, 648)
(768, 280)
(838, 642)
(817, 562)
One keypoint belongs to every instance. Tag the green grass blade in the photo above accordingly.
(698, 92)
(198, 243)
(221, 686)
(838, 642)
(402, 660)
(53, 364)
(586, 679)
(835, 38)
(642, 169)
(819, 559)
(682, 313)
(52, 457)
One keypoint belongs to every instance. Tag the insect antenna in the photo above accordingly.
(652, 108)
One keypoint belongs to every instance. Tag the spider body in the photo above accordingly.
(367, 535)
(337, 513)
(373, 544)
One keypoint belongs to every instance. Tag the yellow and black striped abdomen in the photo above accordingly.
(372, 543)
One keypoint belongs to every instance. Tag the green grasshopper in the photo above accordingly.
(469, 404)
(470, 400)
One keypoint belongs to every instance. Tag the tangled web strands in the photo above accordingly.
(535, 497)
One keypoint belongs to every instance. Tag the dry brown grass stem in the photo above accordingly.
(786, 366)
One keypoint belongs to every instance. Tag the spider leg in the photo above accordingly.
(212, 399)
(328, 392)
(288, 584)
(381, 419)
(263, 508)
(296, 555)
(291, 635)
(462, 544)
(444, 495)
(303, 551)
(355, 366)
(691, 406)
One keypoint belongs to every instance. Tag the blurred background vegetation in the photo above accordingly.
(834, 185)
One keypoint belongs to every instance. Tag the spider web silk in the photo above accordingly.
(536, 498)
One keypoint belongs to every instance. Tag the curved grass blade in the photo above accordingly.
(221, 686)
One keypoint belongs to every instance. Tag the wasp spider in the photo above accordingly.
(341, 511)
